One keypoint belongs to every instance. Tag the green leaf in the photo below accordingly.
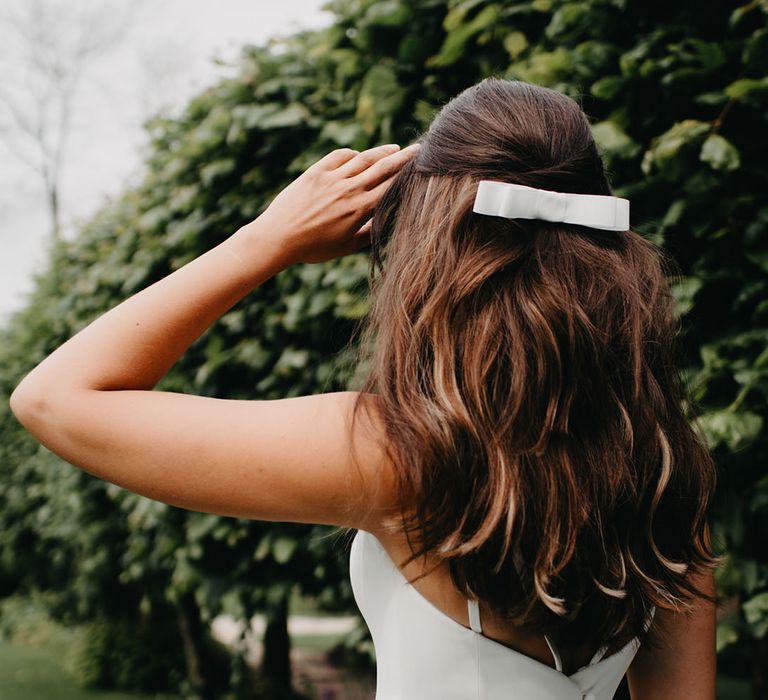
(291, 359)
(291, 115)
(454, 18)
(515, 43)
(720, 153)
(739, 13)
(713, 98)
(684, 293)
(283, 549)
(756, 614)
(264, 548)
(735, 429)
(381, 96)
(755, 54)
(342, 133)
(543, 67)
(665, 148)
(674, 213)
(387, 13)
(607, 87)
(746, 87)
(569, 16)
(455, 43)
(251, 351)
(216, 169)
(613, 140)
(726, 635)
(271, 115)
(200, 525)
(351, 307)
(155, 218)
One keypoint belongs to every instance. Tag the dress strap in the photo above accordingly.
(474, 622)
(474, 615)
(598, 655)
(517, 560)
(650, 617)
(555, 654)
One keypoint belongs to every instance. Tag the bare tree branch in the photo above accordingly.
(54, 45)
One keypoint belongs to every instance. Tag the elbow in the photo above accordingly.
(47, 416)
(28, 405)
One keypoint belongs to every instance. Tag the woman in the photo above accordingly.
(529, 496)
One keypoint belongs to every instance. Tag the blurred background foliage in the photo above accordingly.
(677, 94)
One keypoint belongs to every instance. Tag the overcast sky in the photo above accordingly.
(164, 55)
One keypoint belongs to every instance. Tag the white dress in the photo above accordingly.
(423, 654)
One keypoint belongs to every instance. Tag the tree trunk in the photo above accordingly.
(53, 209)
(192, 631)
(276, 663)
(760, 677)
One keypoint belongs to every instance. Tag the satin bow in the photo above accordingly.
(513, 201)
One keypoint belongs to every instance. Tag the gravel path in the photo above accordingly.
(314, 676)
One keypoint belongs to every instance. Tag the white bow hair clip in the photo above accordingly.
(512, 201)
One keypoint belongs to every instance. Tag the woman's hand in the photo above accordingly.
(325, 212)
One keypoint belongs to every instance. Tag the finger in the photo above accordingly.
(373, 196)
(385, 168)
(368, 201)
(336, 158)
(365, 229)
(362, 239)
(365, 159)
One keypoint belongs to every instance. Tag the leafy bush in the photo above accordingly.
(678, 98)
(139, 655)
(25, 620)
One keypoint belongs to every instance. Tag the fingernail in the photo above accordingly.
(391, 146)
(413, 147)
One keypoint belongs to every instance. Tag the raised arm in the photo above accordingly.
(684, 666)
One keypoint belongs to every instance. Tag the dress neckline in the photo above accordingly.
(487, 640)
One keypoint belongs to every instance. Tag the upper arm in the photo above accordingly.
(292, 460)
(684, 665)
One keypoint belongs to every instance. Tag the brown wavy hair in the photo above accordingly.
(527, 377)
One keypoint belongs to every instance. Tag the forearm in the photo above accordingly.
(133, 345)
(316, 218)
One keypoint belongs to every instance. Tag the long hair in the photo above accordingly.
(527, 378)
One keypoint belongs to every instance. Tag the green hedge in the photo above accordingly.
(678, 96)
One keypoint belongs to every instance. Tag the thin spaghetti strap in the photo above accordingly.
(650, 617)
(555, 655)
(598, 655)
(474, 622)
(474, 615)
(517, 560)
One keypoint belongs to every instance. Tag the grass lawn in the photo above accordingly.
(314, 641)
(28, 673)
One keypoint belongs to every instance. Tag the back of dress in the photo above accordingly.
(423, 654)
